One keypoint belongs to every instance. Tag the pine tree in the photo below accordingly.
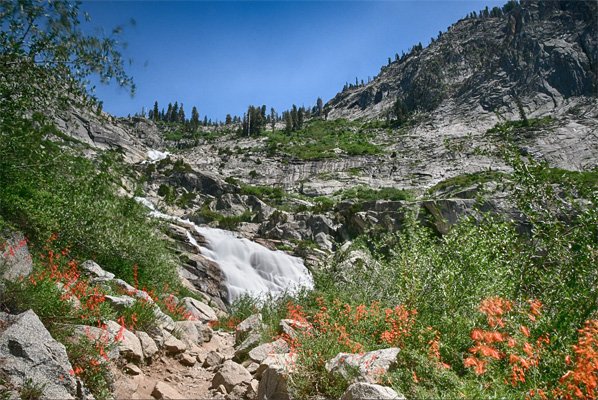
(168, 115)
(300, 117)
(319, 106)
(174, 116)
(156, 112)
(272, 118)
(294, 118)
(228, 120)
(205, 120)
(181, 115)
(194, 118)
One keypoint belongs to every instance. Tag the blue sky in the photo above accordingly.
(222, 56)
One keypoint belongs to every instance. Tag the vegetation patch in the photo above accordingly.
(363, 193)
(323, 139)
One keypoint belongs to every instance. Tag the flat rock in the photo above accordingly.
(188, 360)
(259, 353)
(93, 270)
(173, 345)
(199, 310)
(251, 323)
(28, 352)
(366, 367)
(366, 391)
(247, 345)
(163, 390)
(230, 375)
(148, 345)
(15, 259)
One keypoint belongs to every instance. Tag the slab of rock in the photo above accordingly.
(251, 323)
(28, 352)
(199, 310)
(191, 333)
(248, 344)
(291, 326)
(274, 384)
(148, 345)
(285, 362)
(213, 359)
(206, 332)
(230, 375)
(259, 353)
(363, 368)
(129, 345)
(119, 303)
(163, 390)
(366, 391)
(93, 270)
(173, 345)
(132, 369)
(15, 259)
(188, 360)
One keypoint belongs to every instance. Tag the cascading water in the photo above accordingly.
(247, 266)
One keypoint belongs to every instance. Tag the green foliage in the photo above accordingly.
(263, 192)
(527, 124)
(30, 390)
(319, 139)
(466, 180)
(450, 281)
(363, 193)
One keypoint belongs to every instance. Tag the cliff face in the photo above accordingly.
(543, 53)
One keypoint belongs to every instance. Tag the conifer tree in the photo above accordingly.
(156, 112)
(174, 116)
(228, 120)
(181, 115)
(168, 115)
(194, 118)
(319, 106)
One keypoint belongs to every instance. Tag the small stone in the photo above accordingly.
(148, 345)
(174, 345)
(188, 360)
(221, 389)
(362, 390)
(212, 359)
(132, 369)
(165, 391)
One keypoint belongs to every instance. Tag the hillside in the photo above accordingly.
(439, 223)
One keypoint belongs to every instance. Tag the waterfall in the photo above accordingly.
(248, 267)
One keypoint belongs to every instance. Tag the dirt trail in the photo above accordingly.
(189, 382)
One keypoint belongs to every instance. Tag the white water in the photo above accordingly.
(155, 155)
(247, 266)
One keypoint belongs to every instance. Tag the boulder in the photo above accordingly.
(249, 343)
(199, 310)
(259, 353)
(213, 359)
(163, 390)
(129, 345)
(366, 391)
(206, 332)
(191, 333)
(93, 270)
(274, 378)
(366, 367)
(230, 375)
(173, 345)
(119, 303)
(148, 345)
(188, 360)
(290, 326)
(29, 355)
(251, 323)
(15, 259)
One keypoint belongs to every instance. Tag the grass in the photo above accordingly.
(320, 139)
(466, 180)
(362, 193)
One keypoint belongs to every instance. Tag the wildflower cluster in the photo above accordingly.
(582, 380)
